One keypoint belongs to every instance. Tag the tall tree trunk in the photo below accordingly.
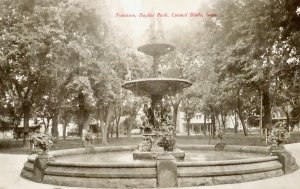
(80, 127)
(175, 114)
(117, 116)
(84, 121)
(223, 118)
(65, 130)
(267, 114)
(117, 130)
(103, 132)
(261, 114)
(108, 131)
(240, 114)
(236, 124)
(219, 122)
(243, 123)
(81, 113)
(112, 130)
(288, 122)
(26, 107)
(54, 129)
(66, 117)
(205, 125)
(188, 127)
(108, 116)
(288, 119)
(16, 130)
(286, 111)
(213, 121)
(98, 128)
(26, 119)
(47, 125)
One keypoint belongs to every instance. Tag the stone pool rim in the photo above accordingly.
(230, 148)
(145, 174)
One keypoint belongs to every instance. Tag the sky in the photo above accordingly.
(136, 27)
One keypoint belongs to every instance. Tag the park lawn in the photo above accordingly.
(16, 147)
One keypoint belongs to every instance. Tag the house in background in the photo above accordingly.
(197, 124)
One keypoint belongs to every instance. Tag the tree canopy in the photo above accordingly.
(66, 59)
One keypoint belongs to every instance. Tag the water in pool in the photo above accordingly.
(126, 157)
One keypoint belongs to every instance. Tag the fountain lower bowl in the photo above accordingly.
(156, 86)
(143, 174)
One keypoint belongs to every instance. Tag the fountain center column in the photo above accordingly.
(155, 72)
(156, 100)
(158, 122)
(156, 108)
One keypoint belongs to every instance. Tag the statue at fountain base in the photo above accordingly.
(158, 143)
(159, 133)
(146, 145)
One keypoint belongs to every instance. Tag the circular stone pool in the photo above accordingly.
(114, 167)
(126, 157)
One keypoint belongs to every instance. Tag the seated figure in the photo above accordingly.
(146, 145)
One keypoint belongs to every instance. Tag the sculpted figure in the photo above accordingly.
(146, 145)
(157, 116)
(167, 115)
(149, 114)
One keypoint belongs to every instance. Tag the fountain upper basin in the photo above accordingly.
(156, 49)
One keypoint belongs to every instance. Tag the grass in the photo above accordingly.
(16, 147)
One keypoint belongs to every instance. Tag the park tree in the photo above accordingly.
(285, 74)
(190, 106)
(183, 63)
(10, 106)
(242, 45)
(44, 109)
(51, 42)
(24, 65)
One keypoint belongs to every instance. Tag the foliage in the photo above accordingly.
(220, 134)
(11, 144)
(56, 55)
(42, 141)
(246, 53)
(277, 136)
(89, 136)
(166, 137)
(190, 106)
(66, 57)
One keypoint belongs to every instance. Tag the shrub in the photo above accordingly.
(42, 141)
(277, 136)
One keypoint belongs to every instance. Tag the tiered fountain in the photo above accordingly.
(114, 167)
(159, 130)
